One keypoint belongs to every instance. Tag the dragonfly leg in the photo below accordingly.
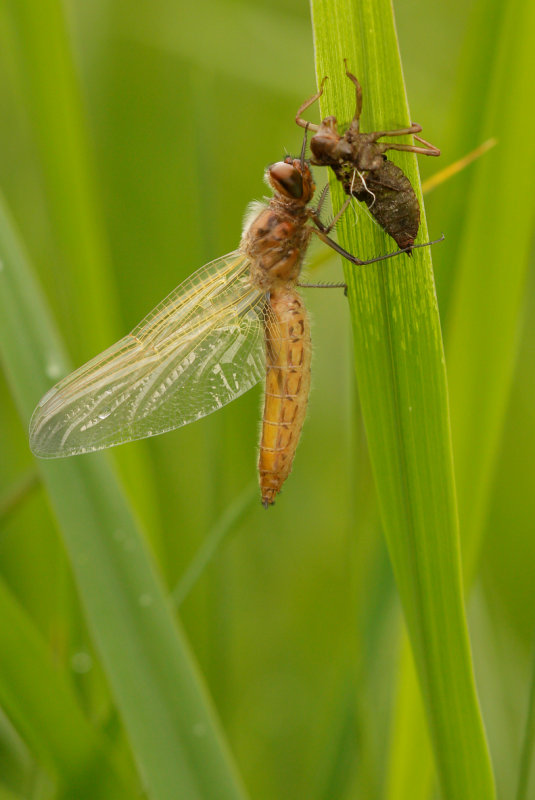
(414, 128)
(314, 214)
(359, 262)
(410, 148)
(323, 286)
(338, 216)
(304, 148)
(358, 94)
(429, 150)
(311, 100)
(317, 211)
(433, 151)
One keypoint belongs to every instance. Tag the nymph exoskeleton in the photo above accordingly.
(360, 164)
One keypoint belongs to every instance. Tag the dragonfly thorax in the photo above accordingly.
(275, 243)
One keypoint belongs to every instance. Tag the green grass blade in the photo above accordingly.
(228, 521)
(528, 745)
(400, 368)
(5, 794)
(171, 725)
(487, 300)
(11, 497)
(410, 768)
(80, 269)
(492, 232)
(16, 762)
(200, 44)
(38, 36)
(51, 721)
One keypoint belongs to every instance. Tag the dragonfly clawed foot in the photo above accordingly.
(323, 286)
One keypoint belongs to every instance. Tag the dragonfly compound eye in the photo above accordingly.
(287, 179)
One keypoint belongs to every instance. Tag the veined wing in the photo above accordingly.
(202, 347)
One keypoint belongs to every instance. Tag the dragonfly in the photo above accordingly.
(235, 321)
(359, 162)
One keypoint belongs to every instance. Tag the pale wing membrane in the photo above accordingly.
(202, 347)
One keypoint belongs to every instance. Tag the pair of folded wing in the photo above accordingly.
(200, 348)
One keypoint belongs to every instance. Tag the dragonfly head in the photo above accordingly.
(292, 179)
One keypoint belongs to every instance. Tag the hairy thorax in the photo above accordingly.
(275, 242)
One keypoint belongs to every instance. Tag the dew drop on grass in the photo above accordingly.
(145, 600)
(53, 370)
(81, 662)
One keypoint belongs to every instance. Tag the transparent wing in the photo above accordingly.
(202, 347)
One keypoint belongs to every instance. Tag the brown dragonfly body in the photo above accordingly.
(276, 242)
(360, 164)
(288, 355)
(231, 323)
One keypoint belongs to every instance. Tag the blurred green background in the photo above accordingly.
(295, 622)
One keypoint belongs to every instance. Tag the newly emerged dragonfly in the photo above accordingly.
(360, 164)
(233, 322)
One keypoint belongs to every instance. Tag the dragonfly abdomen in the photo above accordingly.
(288, 354)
